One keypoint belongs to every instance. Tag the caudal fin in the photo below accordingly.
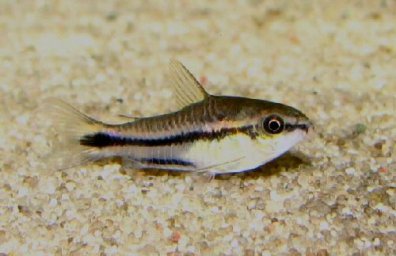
(69, 125)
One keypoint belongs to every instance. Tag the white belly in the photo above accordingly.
(235, 153)
(232, 154)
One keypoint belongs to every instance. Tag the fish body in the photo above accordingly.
(211, 134)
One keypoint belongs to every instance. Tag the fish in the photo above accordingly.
(207, 134)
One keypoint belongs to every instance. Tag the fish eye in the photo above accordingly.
(273, 124)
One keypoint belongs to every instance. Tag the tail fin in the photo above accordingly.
(70, 125)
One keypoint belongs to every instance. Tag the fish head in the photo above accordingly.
(265, 129)
(279, 127)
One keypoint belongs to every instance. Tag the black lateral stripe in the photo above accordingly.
(103, 139)
(160, 161)
(292, 127)
(99, 140)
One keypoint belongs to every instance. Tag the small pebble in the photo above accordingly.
(350, 171)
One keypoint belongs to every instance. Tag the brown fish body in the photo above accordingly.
(215, 134)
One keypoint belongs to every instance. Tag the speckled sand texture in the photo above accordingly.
(334, 60)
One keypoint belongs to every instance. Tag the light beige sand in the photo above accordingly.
(334, 61)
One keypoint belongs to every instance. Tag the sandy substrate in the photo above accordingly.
(334, 195)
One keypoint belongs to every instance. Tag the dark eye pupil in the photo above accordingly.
(273, 124)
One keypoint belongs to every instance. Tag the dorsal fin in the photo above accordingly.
(186, 88)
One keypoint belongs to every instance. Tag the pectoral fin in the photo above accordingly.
(220, 167)
(132, 118)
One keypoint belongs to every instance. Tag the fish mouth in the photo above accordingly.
(306, 127)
